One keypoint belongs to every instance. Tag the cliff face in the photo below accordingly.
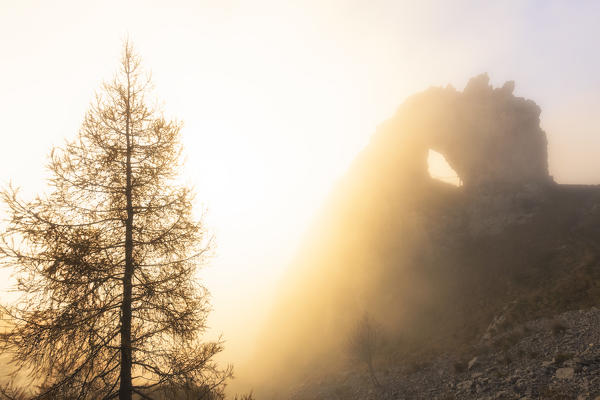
(433, 264)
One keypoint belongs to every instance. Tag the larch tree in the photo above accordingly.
(106, 262)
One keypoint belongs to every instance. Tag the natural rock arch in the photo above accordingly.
(487, 135)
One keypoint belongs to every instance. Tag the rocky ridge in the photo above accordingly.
(435, 264)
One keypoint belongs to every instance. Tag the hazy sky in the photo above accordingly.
(277, 97)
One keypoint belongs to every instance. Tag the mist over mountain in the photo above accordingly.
(430, 263)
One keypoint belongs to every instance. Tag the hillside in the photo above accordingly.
(434, 264)
(547, 358)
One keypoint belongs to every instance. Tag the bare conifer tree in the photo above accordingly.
(106, 261)
(364, 345)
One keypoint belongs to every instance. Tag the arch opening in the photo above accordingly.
(439, 169)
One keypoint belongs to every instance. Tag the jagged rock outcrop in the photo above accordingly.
(487, 135)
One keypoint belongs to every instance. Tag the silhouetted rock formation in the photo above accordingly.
(487, 135)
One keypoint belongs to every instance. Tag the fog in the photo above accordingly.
(279, 100)
(403, 246)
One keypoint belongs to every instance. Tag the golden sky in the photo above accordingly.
(277, 97)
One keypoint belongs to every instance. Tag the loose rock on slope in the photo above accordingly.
(555, 358)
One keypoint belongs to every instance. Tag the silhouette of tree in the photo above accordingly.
(106, 261)
(364, 344)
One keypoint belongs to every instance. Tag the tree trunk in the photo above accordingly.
(126, 388)
(372, 373)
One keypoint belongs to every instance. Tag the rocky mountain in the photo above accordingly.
(439, 268)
